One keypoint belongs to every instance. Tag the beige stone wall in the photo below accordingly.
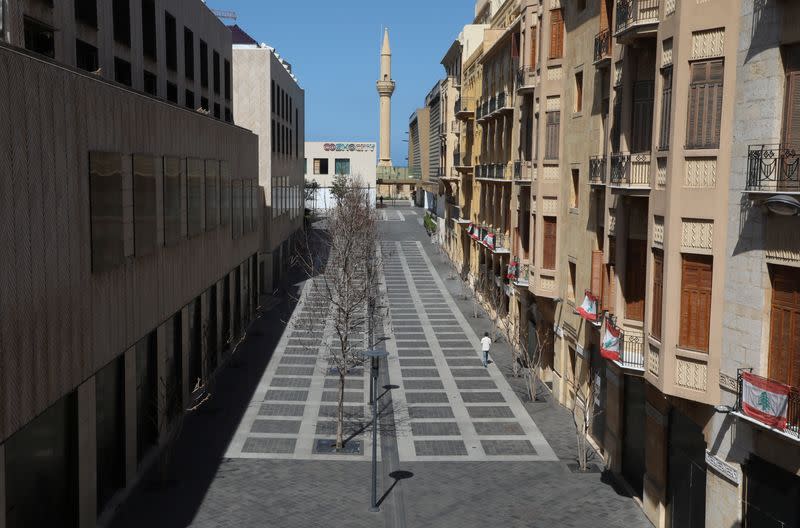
(61, 322)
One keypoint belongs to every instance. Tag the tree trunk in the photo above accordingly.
(340, 414)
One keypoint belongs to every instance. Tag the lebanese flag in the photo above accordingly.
(765, 400)
(611, 347)
(588, 310)
(489, 240)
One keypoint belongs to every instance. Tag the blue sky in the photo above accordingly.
(334, 51)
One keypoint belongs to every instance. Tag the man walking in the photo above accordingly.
(486, 344)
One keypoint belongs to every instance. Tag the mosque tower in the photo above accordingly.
(385, 87)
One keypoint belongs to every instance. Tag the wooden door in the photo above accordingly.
(696, 302)
(784, 336)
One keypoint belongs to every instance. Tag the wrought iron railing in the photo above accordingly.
(455, 212)
(632, 355)
(525, 77)
(502, 99)
(602, 45)
(773, 168)
(492, 105)
(480, 110)
(636, 12)
(455, 127)
(630, 170)
(464, 106)
(597, 170)
(517, 170)
(792, 410)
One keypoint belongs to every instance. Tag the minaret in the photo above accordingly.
(385, 89)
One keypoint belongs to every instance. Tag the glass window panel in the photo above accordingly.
(173, 175)
(342, 166)
(144, 204)
(194, 196)
(225, 192)
(105, 187)
(110, 398)
(212, 194)
(146, 396)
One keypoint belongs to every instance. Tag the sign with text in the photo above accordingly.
(349, 147)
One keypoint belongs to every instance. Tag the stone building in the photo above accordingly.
(271, 103)
(652, 157)
(131, 217)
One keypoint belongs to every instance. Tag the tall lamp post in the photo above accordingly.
(375, 354)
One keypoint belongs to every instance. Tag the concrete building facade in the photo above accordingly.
(131, 246)
(272, 105)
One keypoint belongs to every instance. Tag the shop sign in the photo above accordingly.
(723, 468)
(349, 147)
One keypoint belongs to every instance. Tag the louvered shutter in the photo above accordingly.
(705, 104)
(609, 288)
(791, 116)
(553, 131)
(784, 343)
(642, 116)
(666, 108)
(533, 47)
(658, 292)
(515, 45)
(549, 240)
(635, 264)
(556, 34)
(597, 274)
(695, 302)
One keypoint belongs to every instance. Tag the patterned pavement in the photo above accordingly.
(448, 407)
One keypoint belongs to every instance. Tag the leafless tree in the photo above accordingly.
(346, 283)
(531, 356)
(584, 410)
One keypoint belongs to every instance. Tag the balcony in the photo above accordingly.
(526, 79)
(486, 236)
(630, 171)
(636, 18)
(521, 275)
(597, 170)
(480, 110)
(761, 401)
(492, 105)
(632, 355)
(465, 108)
(522, 171)
(602, 48)
(455, 212)
(773, 169)
(505, 102)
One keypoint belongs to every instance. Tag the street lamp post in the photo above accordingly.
(375, 354)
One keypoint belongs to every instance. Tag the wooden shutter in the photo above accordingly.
(635, 266)
(658, 293)
(597, 273)
(515, 45)
(556, 34)
(552, 132)
(705, 104)
(666, 108)
(695, 302)
(533, 46)
(609, 288)
(791, 114)
(642, 116)
(549, 243)
(784, 337)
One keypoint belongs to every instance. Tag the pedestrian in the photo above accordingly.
(381, 200)
(486, 344)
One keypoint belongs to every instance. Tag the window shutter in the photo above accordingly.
(666, 108)
(556, 34)
(636, 262)
(609, 289)
(533, 47)
(705, 104)
(784, 342)
(515, 45)
(658, 292)
(597, 274)
(642, 116)
(549, 239)
(791, 116)
(552, 135)
(696, 302)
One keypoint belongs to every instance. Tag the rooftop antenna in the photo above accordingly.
(231, 15)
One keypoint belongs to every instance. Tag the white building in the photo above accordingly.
(326, 159)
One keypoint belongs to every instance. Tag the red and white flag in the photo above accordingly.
(588, 310)
(765, 400)
(611, 347)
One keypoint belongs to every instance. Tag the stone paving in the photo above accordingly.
(461, 445)
(448, 406)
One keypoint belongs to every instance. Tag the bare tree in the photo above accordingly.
(531, 356)
(584, 410)
(346, 283)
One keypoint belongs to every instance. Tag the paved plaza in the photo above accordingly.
(460, 444)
